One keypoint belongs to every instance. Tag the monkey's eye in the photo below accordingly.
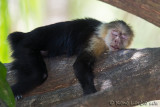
(115, 33)
(124, 37)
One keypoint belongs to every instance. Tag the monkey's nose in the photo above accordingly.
(116, 41)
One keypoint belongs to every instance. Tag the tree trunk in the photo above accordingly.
(125, 77)
(146, 9)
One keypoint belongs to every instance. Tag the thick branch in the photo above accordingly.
(128, 75)
(146, 9)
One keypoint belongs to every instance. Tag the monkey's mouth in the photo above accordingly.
(115, 47)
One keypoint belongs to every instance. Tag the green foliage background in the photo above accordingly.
(29, 9)
(4, 29)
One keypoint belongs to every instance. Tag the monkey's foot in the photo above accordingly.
(18, 97)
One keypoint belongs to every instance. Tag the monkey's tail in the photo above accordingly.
(15, 38)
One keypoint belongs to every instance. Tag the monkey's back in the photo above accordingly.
(65, 37)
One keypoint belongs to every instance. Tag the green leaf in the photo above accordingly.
(5, 91)
(2, 71)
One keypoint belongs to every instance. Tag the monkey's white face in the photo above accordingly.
(116, 40)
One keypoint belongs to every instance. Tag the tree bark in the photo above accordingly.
(125, 77)
(146, 9)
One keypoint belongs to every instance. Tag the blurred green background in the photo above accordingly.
(25, 15)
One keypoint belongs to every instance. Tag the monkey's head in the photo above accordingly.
(119, 35)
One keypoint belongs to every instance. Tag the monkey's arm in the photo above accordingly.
(84, 64)
(83, 67)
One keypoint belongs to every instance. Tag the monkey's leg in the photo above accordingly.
(31, 72)
(83, 67)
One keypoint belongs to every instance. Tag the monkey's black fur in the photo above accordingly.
(69, 38)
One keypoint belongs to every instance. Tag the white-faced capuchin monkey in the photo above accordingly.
(87, 38)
